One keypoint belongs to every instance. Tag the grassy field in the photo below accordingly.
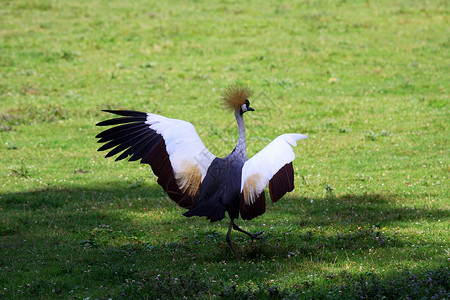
(367, 81)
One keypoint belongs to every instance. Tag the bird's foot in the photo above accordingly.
(253, 236)
(256, 236)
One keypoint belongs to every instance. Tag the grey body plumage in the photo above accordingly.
(220, 191)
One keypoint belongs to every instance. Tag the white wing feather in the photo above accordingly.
(182, 143)
(266, 163)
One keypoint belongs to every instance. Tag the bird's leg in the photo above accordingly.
(252, 235)
(228, 237)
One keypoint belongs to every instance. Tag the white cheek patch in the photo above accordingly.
(244, 107)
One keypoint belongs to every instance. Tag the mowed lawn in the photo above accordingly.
(367, 81)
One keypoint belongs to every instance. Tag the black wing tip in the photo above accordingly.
(121, 157)
(125, 112)
(121, 112)
(123, 120)
(127, 116)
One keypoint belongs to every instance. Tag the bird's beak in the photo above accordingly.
(250, 109)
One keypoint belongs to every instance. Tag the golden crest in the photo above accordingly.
(235, 95)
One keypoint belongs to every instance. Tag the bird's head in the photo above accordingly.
(235, 98)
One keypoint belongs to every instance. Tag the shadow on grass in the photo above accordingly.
(118, 202)
(117, 214)
(408, 284)
(134, 240)
(56, 197)
(370, 209)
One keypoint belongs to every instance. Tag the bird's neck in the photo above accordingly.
(241, 147)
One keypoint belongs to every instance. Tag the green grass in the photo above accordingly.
(367, 81)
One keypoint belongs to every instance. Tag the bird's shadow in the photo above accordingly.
(296, 229)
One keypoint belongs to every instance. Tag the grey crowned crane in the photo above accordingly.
(192, 176)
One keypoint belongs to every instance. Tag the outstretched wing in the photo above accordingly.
(271, 166)
(171, 147)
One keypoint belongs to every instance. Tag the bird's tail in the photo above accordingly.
(214, 212)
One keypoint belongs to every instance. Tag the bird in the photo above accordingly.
(193, 177)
